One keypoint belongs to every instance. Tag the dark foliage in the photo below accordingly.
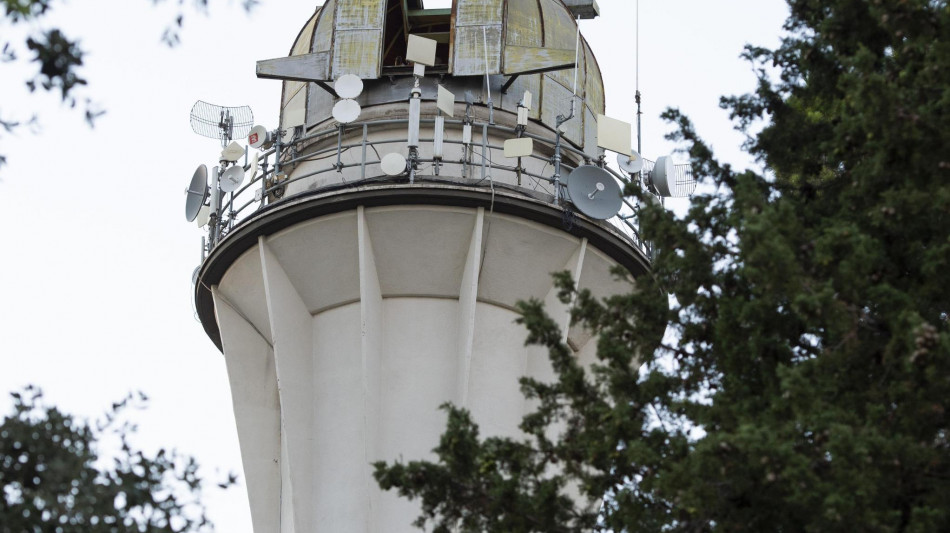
(55, 478)
(805, 379)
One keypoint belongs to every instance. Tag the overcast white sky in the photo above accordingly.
(96, 256)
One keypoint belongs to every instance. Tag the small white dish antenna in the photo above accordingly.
(348, 86)
(393, 164)
(197, 193)
(204, 216)
(594, 191)
(231, 179)
(233, 152)
(672, 181)
(346, 111)
(446, 101)
(521, 147)
(632, 163)
(614, 135)
(421, 50)
(259, 138)
(662, 175)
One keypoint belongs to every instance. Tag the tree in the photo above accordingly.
(54, 478)
(58, 57)
(805, 379)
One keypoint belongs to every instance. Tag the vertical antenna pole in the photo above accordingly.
(339, 149)
(577, 47)
(637, 31)
(363, 160)
(491, 106)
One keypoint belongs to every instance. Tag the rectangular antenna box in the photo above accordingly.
(421, 50)
(521, 147)
(614, 135)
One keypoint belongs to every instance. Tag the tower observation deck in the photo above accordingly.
(367, 269)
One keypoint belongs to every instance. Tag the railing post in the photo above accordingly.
(363, 160)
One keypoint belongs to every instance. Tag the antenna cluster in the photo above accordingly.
(591, 188)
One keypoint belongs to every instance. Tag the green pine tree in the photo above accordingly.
(807, 382)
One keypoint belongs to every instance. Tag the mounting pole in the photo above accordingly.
(639, 148)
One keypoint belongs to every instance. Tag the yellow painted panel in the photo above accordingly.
(291, 88)
(470, 53)
(304, 40)
(530, 82)
(479, 12)
(360, 14)
(323, 36)
(560, 31)
(594, 93)
(293, 114)
(556, 100)
(357, 52)
(523, 26)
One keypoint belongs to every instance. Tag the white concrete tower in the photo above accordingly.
(350, 303)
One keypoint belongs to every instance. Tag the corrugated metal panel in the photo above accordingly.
(319, 104)
(475, 22)
(557, 101)
(470, 42)
(590, 134)
(357, 38)
(294, 97)
(523, 26)
(293, 113)
(594, 92)
(531, 82)
(560, 31)
(478, 12)
(323, 35)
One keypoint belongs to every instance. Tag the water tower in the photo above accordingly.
(363, 260)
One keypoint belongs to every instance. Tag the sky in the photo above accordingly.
(96, 258)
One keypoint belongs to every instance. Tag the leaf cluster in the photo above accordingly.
(803, 380)
(54, 478)
(59, 57)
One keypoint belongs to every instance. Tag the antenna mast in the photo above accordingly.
(637, 31)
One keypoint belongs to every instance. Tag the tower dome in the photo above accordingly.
(531, 41)
(350, 299)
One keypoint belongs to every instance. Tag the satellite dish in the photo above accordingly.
(631, 164)
(348, 86)
(232, 178)
(672, 181)
(393, 164)
(259, 138)
(346, 111)
(594, 191)
(662, 175)
(197, 193)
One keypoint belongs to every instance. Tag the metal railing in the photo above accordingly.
(269, 184)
